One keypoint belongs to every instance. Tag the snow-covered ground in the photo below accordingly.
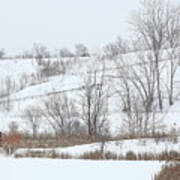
(45, 169)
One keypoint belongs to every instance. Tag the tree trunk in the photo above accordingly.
(158, 82)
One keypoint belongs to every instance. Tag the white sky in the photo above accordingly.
(62, 23)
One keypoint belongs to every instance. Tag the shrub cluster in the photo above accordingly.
(10, 142)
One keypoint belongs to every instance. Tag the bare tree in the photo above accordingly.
(123, 45)
(113, 49)
(61, 115)
(9, 87)
(173, 56)
(137, 92)
(81, 50)
(32, 116)
(173, 39)
(151, 23)
(2, 53)
(13, 127)
(95, 103)
(64, 52)
(23, 81)
(40, 52)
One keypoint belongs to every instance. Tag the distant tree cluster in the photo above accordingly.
(64, 52)
(120, 46)
(2, 53)
(81, 50)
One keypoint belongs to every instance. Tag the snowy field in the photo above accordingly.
(37, 169)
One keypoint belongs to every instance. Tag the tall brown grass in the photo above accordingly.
(98, 155)
(169, 172)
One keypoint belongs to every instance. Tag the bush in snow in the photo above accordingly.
(11, 142)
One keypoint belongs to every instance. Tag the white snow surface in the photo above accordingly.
(46, 169)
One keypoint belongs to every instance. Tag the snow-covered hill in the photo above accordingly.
(70, 83)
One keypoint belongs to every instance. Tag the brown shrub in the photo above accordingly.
(10, 142)
(146, 156)
(130, 155)
(96, 155)
(169, 172)
(111, 156)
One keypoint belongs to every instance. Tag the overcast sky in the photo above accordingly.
(62, 23)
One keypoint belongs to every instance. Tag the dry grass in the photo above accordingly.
(131, 156)
(169, 172)
(98, 155)
(44, 154)
(52, 142)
